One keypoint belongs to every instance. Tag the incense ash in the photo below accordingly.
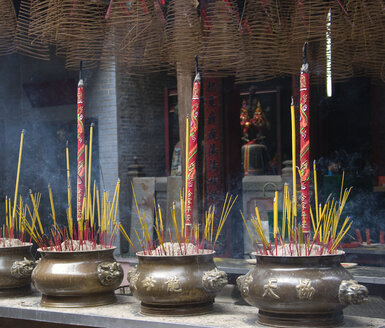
(290, 239)
(190, 239)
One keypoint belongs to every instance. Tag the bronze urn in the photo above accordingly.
(16, 265)
(176, 285)
(77, 278)
(300, 291)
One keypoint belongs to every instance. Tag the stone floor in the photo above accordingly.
(229, 312)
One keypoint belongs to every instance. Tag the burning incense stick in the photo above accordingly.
(193, 148)
(326, 234)
(194, 243)
(294, 157)
(18, 175)
(81, 147)
(305, 143)
(86, 233)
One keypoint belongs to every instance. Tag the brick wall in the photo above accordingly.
(100, 104)
(140, 129)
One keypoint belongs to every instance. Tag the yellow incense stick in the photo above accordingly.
(52, 206)
(117, 202)
(284, 205)
(124, 233)
(93, 206)
(90, 160)
(85, 192)
(342, 185)
(36, 211)
(160, 218)
(294, 156)
(18, 174)
(315, 191)
(6, 212)
(247, 228)
(275, 213)
(98, 207)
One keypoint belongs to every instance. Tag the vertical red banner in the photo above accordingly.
(304, 149)
(81, 148)
(193, 147)
(213, 142)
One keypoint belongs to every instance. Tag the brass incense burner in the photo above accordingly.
(300, 291)
(16, 265)
(77, 278)
(176, 285)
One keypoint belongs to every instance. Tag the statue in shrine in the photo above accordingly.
(255, 157)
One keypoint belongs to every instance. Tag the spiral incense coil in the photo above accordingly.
(367, 36)
(184, 33)
(308, 23)
(46, 17)
(264, 30)
(138, 36)
(221, 53)
(7, 27)
(81, 32)
(116, 26)
(26, 43)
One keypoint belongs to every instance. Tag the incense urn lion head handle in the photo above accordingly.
(22, 269)
(214, 280)
(350, 292)
(110, 273)
(132, 277)
(243, 283)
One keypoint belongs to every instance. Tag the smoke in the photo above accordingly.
(47, 130)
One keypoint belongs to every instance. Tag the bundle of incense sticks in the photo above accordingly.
(327, 234)
(86, 233)
(12, 228)
(189, 241)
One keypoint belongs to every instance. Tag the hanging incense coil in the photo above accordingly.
(285, 11)
(27, 43)
(138, 36)
(184, 34)
(308, 24)
(115, 28)
(342, 66)
(7, 27)
(221, 52)
(81, 33)
(316, 13)
(367, 37)
(75, 27)
(46, 17)
(264, 30)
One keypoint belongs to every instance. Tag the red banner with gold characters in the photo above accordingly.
(193, 147)
(304, 148)
(81, 148)
(213, 142)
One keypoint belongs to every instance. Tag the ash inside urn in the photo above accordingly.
(10, 242)
(176, 249)
(76, 246)
(301, 250)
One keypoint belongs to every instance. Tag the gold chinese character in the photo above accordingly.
(148, 283)
(270, 287)
(305, 290)
(173, 284)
